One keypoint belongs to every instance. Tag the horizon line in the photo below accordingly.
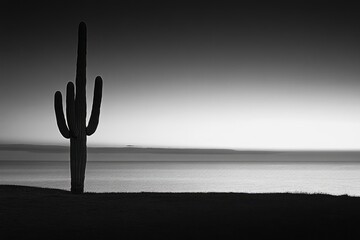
(144, 147)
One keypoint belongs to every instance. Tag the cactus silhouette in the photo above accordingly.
(76, 128)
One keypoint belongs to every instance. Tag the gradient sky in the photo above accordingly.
(255, 75)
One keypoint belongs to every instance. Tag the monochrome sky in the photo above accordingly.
(255, 75)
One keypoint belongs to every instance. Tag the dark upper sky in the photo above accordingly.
(251, 75)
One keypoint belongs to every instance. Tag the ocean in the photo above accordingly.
(193, 173)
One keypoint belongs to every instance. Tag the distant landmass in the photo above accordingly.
(125, 149)
(130, 153)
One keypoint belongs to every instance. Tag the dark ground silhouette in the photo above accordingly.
(76, 128)
(28, 212)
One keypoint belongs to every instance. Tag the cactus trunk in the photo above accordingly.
(77, 163)
(78, 143)
(76, 128)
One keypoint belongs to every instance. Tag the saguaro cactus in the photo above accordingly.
(76, 129)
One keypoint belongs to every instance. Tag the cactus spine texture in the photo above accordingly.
(76, 128)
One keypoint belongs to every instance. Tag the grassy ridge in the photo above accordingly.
(28, 212)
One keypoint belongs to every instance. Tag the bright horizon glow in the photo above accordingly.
(238, 118)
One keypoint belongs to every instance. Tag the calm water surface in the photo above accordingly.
(332, 178)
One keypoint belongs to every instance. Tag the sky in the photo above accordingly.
(255, 75)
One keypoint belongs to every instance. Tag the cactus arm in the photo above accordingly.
(95, 112)
(70, 109)
(60, 119)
